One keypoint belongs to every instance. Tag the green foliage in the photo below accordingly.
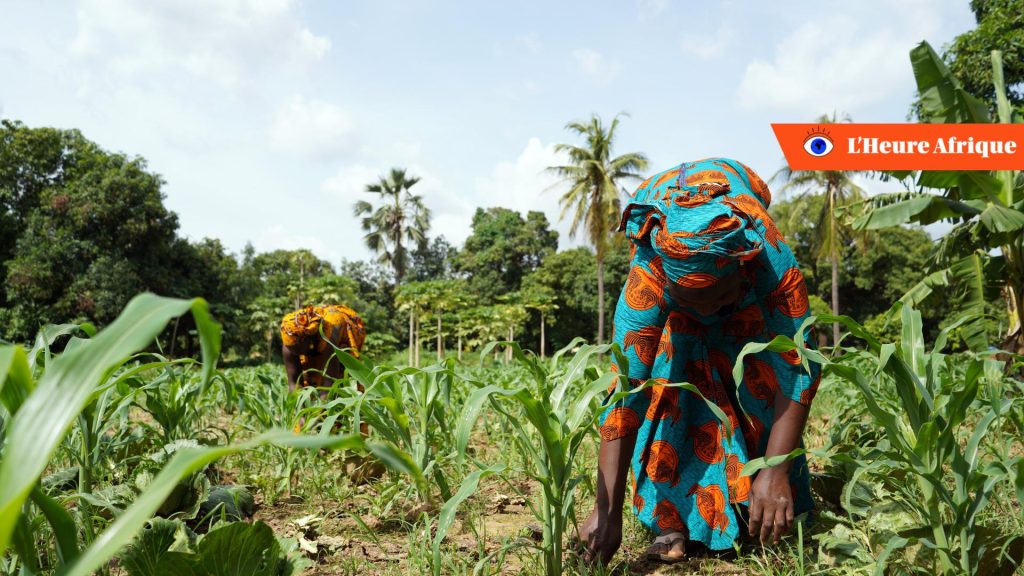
(502, 248)
(571, 275)
(1000, 27)
(91, 242)
(876, 267)
(930, 457)
(31, 162)
(166, 548)
(985, 208)
(433, 261)
(47, 396)
(412, 410)
(550, 417)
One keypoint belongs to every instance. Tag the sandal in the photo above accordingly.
(666, 541)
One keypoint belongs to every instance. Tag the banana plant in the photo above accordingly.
(987, 209)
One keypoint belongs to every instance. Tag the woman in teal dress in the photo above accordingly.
(710, 273)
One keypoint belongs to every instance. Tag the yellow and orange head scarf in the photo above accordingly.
(340, 324)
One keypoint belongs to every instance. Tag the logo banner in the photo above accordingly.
(902, 146)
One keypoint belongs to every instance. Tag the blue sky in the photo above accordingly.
(267, 118)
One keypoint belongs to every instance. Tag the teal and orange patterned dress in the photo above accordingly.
(692, 225)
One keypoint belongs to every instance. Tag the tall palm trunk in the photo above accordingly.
(600, 298)
(542, 335)
(600, 240)
(440, 351)
(835, 297)
(396, 232)
(412, 320)
(833, 243)
(418, 343)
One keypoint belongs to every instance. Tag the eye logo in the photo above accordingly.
(818, 142)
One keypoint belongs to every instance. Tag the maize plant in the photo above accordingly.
(411, 409)
(40, 408)
(932, 453)
(551, 418)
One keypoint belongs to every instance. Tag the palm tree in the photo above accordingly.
(594, 191)
(401, 218)
(839, 190)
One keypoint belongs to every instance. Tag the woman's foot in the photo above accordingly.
(669, 547)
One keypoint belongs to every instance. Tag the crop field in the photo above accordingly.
(366, 303)
(118, 461)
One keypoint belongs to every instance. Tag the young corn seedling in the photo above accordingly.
(551, 418)
(40, 411)
(410, 408)
(933, 435)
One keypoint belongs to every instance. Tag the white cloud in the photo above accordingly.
(350, 182)
(531, 42)
(226, 42)
(278, 237)
(707, 46)
(593, 64)
(524, 185)
(650, 8)
(829, 65)
(312, 128)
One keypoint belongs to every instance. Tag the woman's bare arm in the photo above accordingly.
(771, 498)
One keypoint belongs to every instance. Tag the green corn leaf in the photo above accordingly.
(981, 497)
(912, 341)
(980, 429)
(49, 334)
(758, 464)
(354, 367)
(447, 515)
(884, 417)
(68, 383)
(65, 531)
(924, 446)
(895, 543)
(469, 415)
(557, 356)
(185, 462)
(24, 545)
(581, 405)
(15, 378)
(1018, 482)
(573, 373)
(855, 328)
(567, 508)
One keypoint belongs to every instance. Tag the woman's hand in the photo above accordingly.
(771, 504)
(601, 535)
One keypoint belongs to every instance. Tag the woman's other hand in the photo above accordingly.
(771, 505)
(601, 535)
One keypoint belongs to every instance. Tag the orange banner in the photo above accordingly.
(902, 146)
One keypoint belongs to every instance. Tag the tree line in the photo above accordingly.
(83, 229)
